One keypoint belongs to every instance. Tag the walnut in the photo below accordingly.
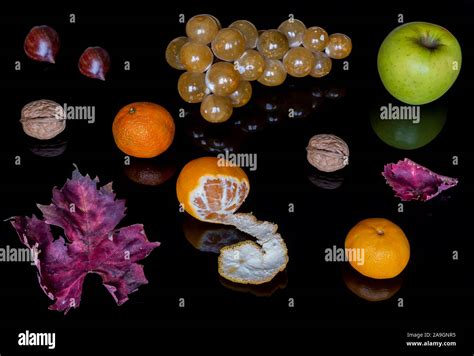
(43, 119)
(328, 153)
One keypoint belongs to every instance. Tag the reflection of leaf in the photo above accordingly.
(411, 181)
(88, 216)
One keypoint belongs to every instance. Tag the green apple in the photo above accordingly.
(418, 62)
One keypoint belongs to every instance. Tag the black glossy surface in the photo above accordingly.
(437, 291)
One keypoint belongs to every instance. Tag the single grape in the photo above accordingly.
(339, 46)
(202, 28)
(216, 108)
(219, 26)
(272, 44)
(196, 57)
(322, 65)
(172, 52)
(315, 39)
(293, 29)
(250, 65)
(249, 31)
(192, 87)
(298, 62)
(229, 44)
(242, 95)
(274, 73)
(222, 78)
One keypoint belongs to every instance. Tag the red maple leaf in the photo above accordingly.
(89, 216)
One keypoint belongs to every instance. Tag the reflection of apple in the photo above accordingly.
(405, 134)
(418, 62)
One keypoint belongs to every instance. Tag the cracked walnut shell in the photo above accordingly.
(43, 119)
(328, 153)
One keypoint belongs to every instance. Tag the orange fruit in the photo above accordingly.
(385, 248)
(210, 188)
(143, 129)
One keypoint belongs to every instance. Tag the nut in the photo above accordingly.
(328, 153)
(43, 119)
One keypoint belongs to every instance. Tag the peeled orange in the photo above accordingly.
(211, 189)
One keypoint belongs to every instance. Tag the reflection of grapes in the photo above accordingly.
(249, 31)
(292, 49)
(196, 57)
(222, 78)
(293, 29)
(216, 108)
(192, 87)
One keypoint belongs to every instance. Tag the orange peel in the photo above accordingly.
(212, 190)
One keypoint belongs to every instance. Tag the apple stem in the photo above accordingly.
(429, 42)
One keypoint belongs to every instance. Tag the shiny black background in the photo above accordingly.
(437, 291)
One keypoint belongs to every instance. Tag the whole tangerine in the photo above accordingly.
(386, 250)
(143, 129)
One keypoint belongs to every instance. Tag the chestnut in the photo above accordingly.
(94, 63)
(42, 44)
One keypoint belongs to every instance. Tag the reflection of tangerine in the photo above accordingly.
(149, 173)
(372, 290)
(143, 129)
(207, 237)
(259, 290)
(385, 248)
(209, 189)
